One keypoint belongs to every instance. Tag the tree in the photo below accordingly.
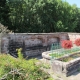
(41, 16)
(78, 20)
(4, 12)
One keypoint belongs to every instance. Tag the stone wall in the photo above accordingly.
(73, 36)
(66, 68)
(32, 43)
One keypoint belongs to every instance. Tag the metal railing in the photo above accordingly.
(57, 51)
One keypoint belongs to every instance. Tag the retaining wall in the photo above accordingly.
(33, 43)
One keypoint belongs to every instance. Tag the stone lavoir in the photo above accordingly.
(65, 65)
(66, 68)
(64, 61)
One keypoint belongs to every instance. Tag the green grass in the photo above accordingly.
(56, 55)
(70, 57)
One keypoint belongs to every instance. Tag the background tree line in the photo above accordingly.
(39, 16)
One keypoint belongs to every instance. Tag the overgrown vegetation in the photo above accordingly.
(39, 16)
(20, 69)
(64, 52)
(3, 29)
(69, 58)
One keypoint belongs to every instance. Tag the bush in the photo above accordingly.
(3, 29)
(77, 42)
(67, 44)
(20, 69)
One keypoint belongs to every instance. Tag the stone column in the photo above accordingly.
(4, 45)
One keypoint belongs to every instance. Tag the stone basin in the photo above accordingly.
(63, 68)
(45, 55)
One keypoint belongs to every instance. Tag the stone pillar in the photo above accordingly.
(4, 45)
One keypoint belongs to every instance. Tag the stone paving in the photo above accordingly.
(74, 76)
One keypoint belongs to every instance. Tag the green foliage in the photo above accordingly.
(69, 58)
(4, 13)
(50, 79)
(20, 56)
(47, 66)
(78, 20)
(20, 69)
(56, 55)
(44, 65)
(3, 29)
(40, 16)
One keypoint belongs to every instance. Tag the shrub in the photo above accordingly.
(3, 29)
(77, 42)
(66, 44)
(20, 69)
